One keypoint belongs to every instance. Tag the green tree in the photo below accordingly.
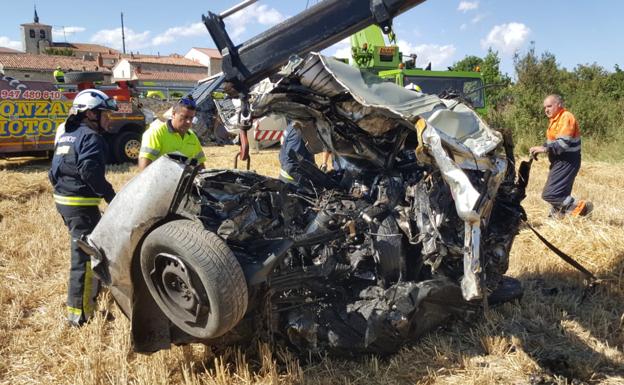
(493, 76)
(469, 63)
(59, 51)
(614, 84)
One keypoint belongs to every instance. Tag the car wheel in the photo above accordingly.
(79, 77)
(194, 278)
(126, 147)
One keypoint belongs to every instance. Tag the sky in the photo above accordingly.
(438, 31)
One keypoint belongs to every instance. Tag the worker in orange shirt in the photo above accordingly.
(563, 147)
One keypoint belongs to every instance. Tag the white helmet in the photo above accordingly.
(92, 99)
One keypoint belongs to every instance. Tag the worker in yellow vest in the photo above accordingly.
(59, 75)
(173, 136)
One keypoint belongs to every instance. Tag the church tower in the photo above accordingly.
(36, 37)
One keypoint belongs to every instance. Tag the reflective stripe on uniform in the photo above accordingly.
(567, 143)
(74, 314)
(163, 139)
(91, 286)
(76, 201)
(285, 175)
(150, 151)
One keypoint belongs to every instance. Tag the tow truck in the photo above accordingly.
(31, 111)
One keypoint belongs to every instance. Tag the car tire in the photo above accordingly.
(194, 278)
(80, 77)
(126, 147)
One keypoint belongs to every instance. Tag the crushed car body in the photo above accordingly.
(415, 228)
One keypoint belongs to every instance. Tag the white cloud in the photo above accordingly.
(465, 6)
(172, 34)
(477, 18)
(506, 38)
(341, 50)
(440, 56)
(463, 27)
(8, 43)
(63, 32)
(237, 23)
(112, 38)
(142, 40)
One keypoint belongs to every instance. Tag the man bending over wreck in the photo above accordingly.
(173, 136)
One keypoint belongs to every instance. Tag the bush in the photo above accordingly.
(593, 94)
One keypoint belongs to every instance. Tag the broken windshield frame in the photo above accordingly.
(468, 87)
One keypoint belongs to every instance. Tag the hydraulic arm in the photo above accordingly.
(314, 29)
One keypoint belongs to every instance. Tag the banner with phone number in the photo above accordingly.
(32, 118)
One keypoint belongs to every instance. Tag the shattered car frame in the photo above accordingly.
(416, 228)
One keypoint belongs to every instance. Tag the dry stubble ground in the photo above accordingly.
(549, 337)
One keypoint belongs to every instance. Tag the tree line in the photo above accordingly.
(594, 94)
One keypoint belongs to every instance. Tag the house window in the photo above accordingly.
(42, 34)
(32, 33)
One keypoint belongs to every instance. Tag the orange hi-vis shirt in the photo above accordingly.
(563, 133)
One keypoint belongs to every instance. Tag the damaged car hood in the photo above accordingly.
(414, 228)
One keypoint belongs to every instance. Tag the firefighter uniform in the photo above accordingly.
(163, 139)
(292, 146)
(77, 174)
(564, 153)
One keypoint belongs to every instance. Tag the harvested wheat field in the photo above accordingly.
(553, 335)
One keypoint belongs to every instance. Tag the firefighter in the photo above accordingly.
(563, 147)
(59, 75)
(293, 147)
(78, 177)
(173, 136)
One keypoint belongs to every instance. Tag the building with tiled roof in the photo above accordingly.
(8, 50)
(25, 66)
(164, 73)
(37, 39)
(172, 60)
(170, 76)
(209, 57)
(109, 56)
(86, 48)
(36, 36)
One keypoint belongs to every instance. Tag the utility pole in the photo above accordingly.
(123, 36)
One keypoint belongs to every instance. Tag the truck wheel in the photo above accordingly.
(194, 278)
(79, 77)
(126, 146)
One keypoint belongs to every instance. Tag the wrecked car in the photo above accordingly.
(416, 227)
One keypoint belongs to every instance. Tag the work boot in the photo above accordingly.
(556, 213)
(582, 209)
(73, 323)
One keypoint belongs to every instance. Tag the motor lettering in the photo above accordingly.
(31, 118)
